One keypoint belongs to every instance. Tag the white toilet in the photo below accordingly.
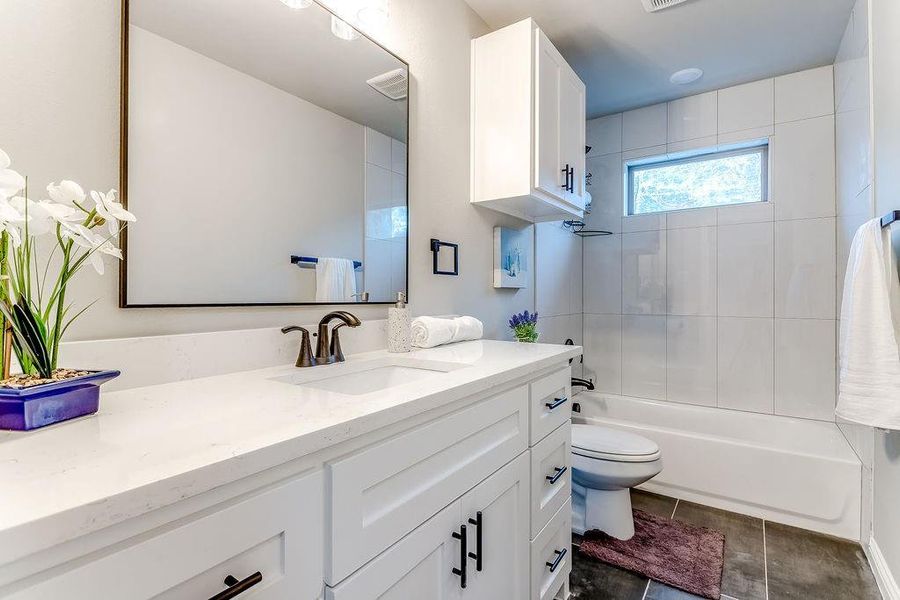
(606, 464)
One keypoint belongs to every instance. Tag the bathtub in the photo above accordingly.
(793, 471)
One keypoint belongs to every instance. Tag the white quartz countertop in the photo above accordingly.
(152, 446)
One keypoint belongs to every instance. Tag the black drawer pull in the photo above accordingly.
(560, 554)
(477, 554)
(556, 402)
(568, 173)
(461, 571)
(560, 471)
(235, 587)
(572, 180)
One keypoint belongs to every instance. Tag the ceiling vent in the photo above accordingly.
(392, 84)
(655, 5)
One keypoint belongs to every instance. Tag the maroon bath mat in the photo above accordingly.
(669, 551)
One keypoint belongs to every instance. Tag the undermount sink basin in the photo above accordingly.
(356, 379)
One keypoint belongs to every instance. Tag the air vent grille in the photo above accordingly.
(392, 84)
(655, 5)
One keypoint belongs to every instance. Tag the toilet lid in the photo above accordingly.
(612, 444)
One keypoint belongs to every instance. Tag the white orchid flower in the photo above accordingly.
(67, 193)
(11, 183)
(79, 234)
(111, 210)
(42, 216)
(10, 220)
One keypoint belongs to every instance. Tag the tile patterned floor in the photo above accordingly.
(763, 561)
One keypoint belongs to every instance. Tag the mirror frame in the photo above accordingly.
(123, 183)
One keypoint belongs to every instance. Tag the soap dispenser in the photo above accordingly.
(399, 328)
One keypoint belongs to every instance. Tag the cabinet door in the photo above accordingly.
(572, 131)
(420, 566)
(548, 166)
(502, 500)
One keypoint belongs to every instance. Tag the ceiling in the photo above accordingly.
(626, 55)
(293, 50)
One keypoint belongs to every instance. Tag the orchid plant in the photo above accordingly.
(81, 228)
(524, 326)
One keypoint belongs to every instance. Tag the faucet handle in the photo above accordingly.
(305, 358)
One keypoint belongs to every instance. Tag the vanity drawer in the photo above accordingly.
(552, 549)
(277, 533)
(381, 493)
(550, 458)
(551, 404)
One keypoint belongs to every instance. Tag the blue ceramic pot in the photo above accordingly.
(29, 408)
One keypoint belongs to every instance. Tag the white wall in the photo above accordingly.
(885, 52)
(729, 307)
(233, 203)
(63, 58)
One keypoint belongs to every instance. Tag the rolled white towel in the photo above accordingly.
(428, 332)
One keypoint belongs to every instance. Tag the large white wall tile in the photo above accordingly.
(734, 139)
(754, 212)
(746, 364)
(804, 95)
(805, 258)
(603, 274)
(603, 352)
(398, 189)
(607, 192)
(747, 106)
(691, 271)
(604, 135)
(644, 127)
(853, 150)
(676, 150)
(746, 270)
(691, 360)
(556, 330)
(378, 149)
(805, 368)
(692, 117)
(640, 154)
(553, 255)
(644, 356)
(646, 222)
(803, 169)
(379, 190)
(644, 273)
(694, 217)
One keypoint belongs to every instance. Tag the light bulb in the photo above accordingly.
(342, 30)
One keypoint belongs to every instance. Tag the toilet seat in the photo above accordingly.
(603, 443)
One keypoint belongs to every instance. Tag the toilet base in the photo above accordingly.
(606, 510)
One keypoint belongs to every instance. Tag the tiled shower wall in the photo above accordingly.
(730, 307)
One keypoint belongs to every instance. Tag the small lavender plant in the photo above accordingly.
(524, 326)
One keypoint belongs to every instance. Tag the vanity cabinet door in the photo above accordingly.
(419, 566)
(496, 513)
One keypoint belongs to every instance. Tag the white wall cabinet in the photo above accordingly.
(528, 126)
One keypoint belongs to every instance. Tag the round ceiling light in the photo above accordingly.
(686, 76)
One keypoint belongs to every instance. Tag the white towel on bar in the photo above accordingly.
(869, 354)
(428, 332)
(335, 280)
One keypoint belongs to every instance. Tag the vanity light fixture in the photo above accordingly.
(686, 76)
(341, 29)
(296, 4)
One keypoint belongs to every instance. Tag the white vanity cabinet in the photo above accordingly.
(466, 499)
(528, 126)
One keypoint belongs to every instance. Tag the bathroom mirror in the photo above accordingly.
(260, 137)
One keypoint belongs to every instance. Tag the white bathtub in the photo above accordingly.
(793, 471)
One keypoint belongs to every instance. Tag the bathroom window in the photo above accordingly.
(705, 179)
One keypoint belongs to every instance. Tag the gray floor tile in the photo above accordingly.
(660, 591)
(595, 580)
(661, 506)
(744, 574)
(803, 564)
